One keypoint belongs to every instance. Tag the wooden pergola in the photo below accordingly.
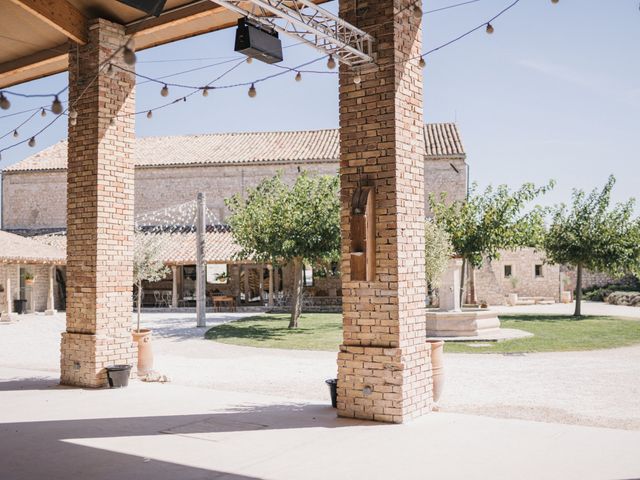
(382, 185)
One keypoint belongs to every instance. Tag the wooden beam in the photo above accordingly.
(60, 15)
(34, 66)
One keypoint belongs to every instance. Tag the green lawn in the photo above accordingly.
(323, 331)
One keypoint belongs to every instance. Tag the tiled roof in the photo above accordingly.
(17, 249)
(176, 248)
(442, 139)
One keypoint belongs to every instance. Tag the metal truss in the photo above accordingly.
(311, 24)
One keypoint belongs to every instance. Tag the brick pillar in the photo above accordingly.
(384, 369)
(99, 211)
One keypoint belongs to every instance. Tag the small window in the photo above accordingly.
(507, 271)
(539, 271)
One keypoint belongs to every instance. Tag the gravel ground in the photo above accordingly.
(598, 388)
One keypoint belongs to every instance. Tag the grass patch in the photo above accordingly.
(323, 331)
(559, 333)
(316, 331)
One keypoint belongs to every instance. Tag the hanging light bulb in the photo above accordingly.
(249, 60)
(331, 63)
(128, 55)
(15, 133)
(43, 113)
(205, 92)
(489, 28)
(110, 69)
(422, 62)
(56, 106)
(73, 121)
(32, 142)
(165, 91)
(112, 121)
(554, 1)
(357, 79)
(418, 12)
(298, 77)
(149, 114)
(252, 91)
(73, 114)
(5, 104)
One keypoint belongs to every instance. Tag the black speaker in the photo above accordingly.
(257, 42)
(152, 7)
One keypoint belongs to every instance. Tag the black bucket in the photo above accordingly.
(118, 375)
(20, 306)
(333, 389)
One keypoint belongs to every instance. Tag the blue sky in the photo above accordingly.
(553, 93)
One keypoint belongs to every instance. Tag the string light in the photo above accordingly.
(331, 63)
(43, 112)
(56, 106)
(249, 60)
(149, 114)
(357, 79)
(73, 121)
(128, 55)
(165, 91)
(205, 92)
(15, 133)
(418, 12)
(298, 77)
(5, 104)
(110, 69)
(489, 28)
(73, 113)
(252, 91)
(32, 142)
(554, 1)
(422, 62)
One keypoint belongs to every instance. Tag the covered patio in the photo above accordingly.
(382, 182)
(28, 276)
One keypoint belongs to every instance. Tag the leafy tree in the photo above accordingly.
(283, 224)
(147, 264)
(437, 251)
(595, 236)
(490, 221)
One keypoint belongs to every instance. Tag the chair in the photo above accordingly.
(167, 298)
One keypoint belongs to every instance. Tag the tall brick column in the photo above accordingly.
(99, 211)
(384, 369)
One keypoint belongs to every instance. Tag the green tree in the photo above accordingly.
(594, 235)
(147, 265)
(489, 221)
(437, 251)
(282, 224)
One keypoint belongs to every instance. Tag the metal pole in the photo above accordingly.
(201, 275)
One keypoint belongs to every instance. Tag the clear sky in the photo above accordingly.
(553, 93)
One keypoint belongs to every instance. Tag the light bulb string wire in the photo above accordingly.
(268, 77)
(37, 110)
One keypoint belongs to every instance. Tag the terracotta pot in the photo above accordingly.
(437, 368)
(145, 353)
(29, 283)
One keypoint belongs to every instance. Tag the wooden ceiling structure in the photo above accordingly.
(35, 34)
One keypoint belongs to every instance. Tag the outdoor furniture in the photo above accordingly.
(219, 300)
(167, 298)
(157, 297)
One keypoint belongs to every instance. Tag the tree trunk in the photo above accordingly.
(139, 304)
(462, 280)
(578, 311)
(296, 303)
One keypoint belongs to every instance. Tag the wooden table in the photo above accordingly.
(219, 300)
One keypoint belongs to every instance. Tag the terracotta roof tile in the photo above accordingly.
(442, 139)
(17, 249)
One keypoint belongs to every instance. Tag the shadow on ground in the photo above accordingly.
(48, 449)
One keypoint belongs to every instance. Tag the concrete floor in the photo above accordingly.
(247, 413)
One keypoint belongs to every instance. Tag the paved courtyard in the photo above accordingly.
(272, 406)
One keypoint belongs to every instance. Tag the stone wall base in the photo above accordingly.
(84, 357)
(384, 384)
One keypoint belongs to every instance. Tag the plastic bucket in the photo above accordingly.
(333, 389)
(118, 375)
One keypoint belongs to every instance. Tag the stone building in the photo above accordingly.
(171, 170)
